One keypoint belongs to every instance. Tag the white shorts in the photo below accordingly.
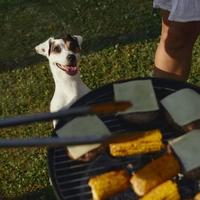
(180, 10)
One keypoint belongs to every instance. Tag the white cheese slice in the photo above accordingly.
(77, 151)
(183, 106)
(187, 148)
(83, 126)
(139, 92)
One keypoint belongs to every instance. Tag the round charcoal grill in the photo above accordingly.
(69, 178)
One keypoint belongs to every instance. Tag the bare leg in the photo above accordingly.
(174, 53)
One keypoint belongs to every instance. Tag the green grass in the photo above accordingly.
(120, 41)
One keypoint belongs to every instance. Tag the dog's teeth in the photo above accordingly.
(68, 68)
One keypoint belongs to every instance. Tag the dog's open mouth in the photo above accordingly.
(69, 69)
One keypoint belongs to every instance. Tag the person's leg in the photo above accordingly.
(174, 52)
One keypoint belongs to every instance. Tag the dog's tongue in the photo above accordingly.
(72, 70)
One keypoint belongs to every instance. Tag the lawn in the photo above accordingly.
(120, 38)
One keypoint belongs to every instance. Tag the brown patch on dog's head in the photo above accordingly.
(53, 48)
(72, 43)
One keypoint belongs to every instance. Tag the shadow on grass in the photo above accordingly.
(103, 24)
(45, 193)
(19, 62)
(89, 46)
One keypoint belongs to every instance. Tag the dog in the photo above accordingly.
(64, 57)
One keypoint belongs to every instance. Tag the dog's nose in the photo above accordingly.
(71, 58)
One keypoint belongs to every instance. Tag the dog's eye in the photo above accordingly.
(77, 50)
(57, 49)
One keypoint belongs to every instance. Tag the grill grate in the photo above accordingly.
(69, 177)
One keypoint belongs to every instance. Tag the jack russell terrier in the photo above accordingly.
(64, 55)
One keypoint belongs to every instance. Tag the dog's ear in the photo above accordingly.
(79, 39)
(45, 47)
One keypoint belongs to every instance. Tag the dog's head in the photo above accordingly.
(62, 53)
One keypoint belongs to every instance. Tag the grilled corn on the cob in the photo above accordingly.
(109, 184)
(166, 191)
(155, 173)
(197, 196)
(146, 142)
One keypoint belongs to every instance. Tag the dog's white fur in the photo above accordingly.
(68, 88)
